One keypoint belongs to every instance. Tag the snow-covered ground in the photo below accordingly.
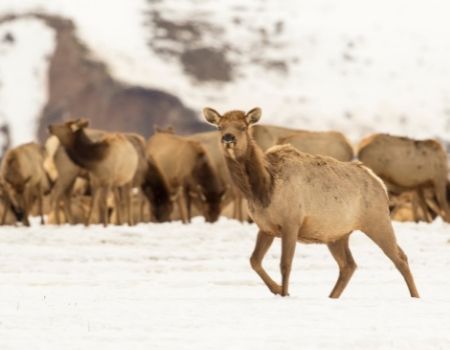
(350, 65)
(171, 286)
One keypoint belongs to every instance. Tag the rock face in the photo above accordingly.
(81, 86)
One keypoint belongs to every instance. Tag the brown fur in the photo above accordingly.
(406, 164)
(185, 164)
(307, 198)
(22, 170)
(112, 161)
(211, 142)
(325, 143)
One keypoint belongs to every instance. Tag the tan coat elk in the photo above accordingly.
(306, 198)
(186, 167)
(211, 142)
(325, 143)
(26, 181)
(111, 162)
(406, 164)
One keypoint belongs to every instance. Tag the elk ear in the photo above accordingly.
(253, 115)
(78, 124)
(211, 115)
(83, 123)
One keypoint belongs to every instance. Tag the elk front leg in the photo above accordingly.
(263, 243)
(288, 244)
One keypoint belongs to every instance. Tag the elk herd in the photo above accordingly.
(89, 176)
(300, 185)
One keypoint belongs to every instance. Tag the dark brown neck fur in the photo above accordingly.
(84, 152)
(252, 175)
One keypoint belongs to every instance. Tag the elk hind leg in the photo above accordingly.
(347, 266)
(384, 237)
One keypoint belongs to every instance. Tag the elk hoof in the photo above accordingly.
(276, 289)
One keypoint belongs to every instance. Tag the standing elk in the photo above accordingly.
(325, 143)
(306, 198)
(111, 161)
(187, 167)
(64, 172)
(25, 179)
(405, 164)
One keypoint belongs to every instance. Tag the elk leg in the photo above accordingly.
(126, 190)
(347, 266)
(68, 208)
(415, 206)
(263, 243)
(26, 202)
(288, 245)
(440, 191)
(6, 204)
(117, 203)
(384, 237)
(182, 208)
(40, 204)
(104, 203)
(94, 199)
(423, 205)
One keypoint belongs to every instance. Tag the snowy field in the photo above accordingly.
(170, 286)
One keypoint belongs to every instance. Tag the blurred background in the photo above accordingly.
(353, 66)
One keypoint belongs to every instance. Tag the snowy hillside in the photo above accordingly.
(350, 65)
(173, 286)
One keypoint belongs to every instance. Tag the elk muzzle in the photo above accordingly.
(228, 139)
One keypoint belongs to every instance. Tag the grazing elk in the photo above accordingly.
(306, 198)
(186, 167)
(25, 179)
(406, 164)
(111, 161)
(151, 183)
(326, 143)
(211, 142)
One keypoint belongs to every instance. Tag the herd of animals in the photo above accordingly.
(295, 184)
(83, 175)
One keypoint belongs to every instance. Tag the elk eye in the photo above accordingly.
(219, 128)
(242, 128)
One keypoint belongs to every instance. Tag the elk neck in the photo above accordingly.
(251, 174)
(84, 152)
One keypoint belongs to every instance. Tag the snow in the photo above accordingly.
(352, 66)
(23, 76)
(169, 286)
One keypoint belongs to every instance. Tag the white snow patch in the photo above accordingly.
(24, 75)
(352, 66)
(174, 286)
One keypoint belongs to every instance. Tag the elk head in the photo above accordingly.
(234, 129)
(209, 204)
(65, 132)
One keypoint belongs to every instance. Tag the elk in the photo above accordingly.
(405, 164)
(326, 143)
(210, 141)
(267, 136)
(185, 165)
(308, 198)
(64, 172)
(150, 182)
(25, 179)
(111, 161)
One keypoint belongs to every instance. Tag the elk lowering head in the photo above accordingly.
(65, 132)
(234, 129)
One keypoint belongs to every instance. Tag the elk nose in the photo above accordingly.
(228, 138)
